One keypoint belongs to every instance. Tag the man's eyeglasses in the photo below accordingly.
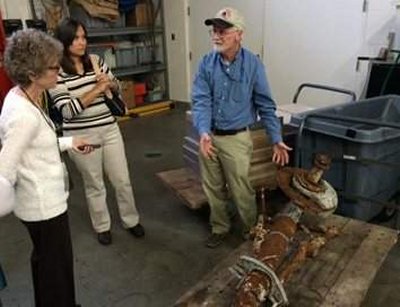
(221, 32)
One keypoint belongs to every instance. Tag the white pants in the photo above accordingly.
(110, 157)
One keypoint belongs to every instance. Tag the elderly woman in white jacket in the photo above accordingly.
(30, 163)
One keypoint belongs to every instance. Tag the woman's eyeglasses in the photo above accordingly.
(54, 67)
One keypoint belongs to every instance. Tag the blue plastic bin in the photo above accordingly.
(364, 140)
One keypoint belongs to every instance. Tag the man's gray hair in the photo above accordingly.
(29, 53)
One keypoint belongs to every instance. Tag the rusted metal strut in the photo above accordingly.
(258, 274)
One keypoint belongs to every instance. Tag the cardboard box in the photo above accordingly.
(128, 93)
(144, 14)
(131, 18)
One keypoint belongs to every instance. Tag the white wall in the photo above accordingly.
(15, 9)
(319, 41)
(397, 29)
(300, 41)
(312, 41)
(177, 44)
(304, 41)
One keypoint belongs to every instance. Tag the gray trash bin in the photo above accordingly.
(364, 141)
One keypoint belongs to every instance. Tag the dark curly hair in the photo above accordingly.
(30, 52)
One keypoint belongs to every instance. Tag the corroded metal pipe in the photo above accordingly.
(308, 192)
(270, 247)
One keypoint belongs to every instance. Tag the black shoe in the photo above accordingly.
(246, 236)
(104, 237)
(215, 239)
(137, 231)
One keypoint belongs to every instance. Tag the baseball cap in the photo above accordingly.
(226, 18)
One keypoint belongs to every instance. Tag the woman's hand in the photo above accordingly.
(280, 153)
(82, 146)
(115, 85)
(103, 83)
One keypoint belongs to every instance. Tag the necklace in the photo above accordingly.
(37, 105)
(45, 116)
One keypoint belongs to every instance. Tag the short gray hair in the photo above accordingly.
(30, 52)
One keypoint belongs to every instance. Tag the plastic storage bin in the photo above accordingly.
(364, 150)
(126, 54)
(147, 54)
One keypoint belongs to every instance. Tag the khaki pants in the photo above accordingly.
(111, 159)
(228, 175)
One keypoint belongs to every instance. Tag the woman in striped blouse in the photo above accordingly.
(79, 96)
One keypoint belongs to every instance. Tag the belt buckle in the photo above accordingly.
(222, 132)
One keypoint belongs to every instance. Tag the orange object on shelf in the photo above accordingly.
(139, 100)
(140, 89)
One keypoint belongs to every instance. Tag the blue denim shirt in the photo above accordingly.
(230, 96)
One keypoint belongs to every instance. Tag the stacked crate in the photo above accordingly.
(262, 170)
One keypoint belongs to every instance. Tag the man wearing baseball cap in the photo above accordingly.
(230, 90)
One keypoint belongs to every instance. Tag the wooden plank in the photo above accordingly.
(312, 283)
(223, 286)
(339, 275)
(263, 175)
(261, 155)
(353, 284)
(151, 107)
(186, 185)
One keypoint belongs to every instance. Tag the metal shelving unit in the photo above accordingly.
(136, 70)
(147, 63)
(93, 32)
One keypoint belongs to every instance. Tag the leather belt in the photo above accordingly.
(228, 132)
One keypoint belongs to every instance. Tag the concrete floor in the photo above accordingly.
(156, 270)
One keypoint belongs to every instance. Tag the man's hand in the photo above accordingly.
(280, 153)
(206, 147)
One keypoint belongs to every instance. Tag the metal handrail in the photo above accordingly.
(323, 87)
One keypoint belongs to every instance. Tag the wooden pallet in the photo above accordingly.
(339, 276)
(186, 185)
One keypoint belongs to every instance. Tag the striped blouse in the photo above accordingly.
(66, 99)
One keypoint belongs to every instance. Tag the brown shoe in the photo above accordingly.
(215, 239)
